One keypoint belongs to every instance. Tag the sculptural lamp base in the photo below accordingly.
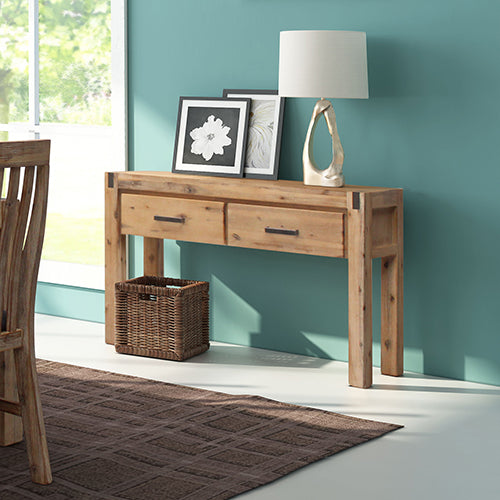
(320, 178)
(331, 176)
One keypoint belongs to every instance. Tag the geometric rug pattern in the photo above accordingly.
(114, 436)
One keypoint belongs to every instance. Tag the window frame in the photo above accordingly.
(119, 120)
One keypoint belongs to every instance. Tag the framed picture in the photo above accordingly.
(211, 136)
(264, 133)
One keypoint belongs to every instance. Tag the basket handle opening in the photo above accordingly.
(148, 296)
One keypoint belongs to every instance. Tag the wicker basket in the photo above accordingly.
(162, 317)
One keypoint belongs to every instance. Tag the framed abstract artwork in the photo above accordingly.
(211, 136)
(264, 132)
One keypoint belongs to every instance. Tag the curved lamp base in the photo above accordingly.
(320, 178)
(331, 176)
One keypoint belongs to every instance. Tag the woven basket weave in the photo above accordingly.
(162, 317)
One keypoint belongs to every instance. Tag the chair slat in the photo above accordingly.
(17, 246)
(11, 206)
(32, 250)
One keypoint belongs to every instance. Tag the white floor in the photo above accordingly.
(448, 449)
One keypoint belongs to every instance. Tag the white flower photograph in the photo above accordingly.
(211, 136)
(210, 139)
(264, 132)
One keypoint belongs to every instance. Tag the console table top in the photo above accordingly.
(266, 191)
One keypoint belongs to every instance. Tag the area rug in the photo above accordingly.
(120, 437)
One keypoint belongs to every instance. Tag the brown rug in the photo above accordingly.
(114, 436)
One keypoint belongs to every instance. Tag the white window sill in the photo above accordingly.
(66, 273)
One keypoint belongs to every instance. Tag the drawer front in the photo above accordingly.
(286, 229)
(172, 218)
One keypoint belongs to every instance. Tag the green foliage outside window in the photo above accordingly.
(13, 62)
(75, 52)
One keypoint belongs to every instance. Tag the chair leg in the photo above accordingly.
(31, 412)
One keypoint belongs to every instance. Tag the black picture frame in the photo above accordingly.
(263, 147)
(211, 136)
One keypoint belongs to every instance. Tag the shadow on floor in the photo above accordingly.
(238, 355)
(445, 390)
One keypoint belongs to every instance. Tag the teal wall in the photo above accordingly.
(70, 302)
(430, 127)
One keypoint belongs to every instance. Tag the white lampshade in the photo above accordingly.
(329, 64)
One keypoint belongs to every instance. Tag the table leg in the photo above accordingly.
(153, 257)
(392, 302)
(115, 254)
(359, 247)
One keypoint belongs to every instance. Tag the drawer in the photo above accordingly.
(172, 218)
(286, 229)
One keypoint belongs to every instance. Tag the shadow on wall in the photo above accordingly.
(255, 301)
(451, 288)
(298, 303)
(430, 126)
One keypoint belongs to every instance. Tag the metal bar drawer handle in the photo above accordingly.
(161, 218)
(277, 230)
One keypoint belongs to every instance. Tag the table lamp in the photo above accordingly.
(323, 64)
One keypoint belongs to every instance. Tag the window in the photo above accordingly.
(62, 77)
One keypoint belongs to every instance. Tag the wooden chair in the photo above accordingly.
(22, 227)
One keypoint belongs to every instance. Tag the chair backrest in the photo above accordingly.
(24, 182)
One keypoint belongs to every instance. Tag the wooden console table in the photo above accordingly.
(353, 222)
